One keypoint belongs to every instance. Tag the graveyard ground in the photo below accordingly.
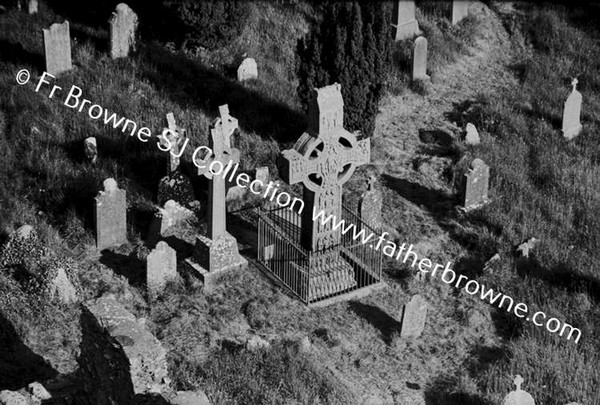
(507, 70)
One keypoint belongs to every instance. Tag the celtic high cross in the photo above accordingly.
(323, 159)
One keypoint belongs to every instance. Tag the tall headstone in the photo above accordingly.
(161, 267)
(218, 251)
(123, 26)
(111, 216)
(32, 6)
(518, 396)
(57, 48)
(572, 113)
(323, 160)
(419, 65)
(414, 315)
(247, 70)
(406, 23)
(369, 206)
(476, 185)
(460, 10)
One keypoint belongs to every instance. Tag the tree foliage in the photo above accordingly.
(351, 46)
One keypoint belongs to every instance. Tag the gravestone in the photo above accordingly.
(119, 358)
(172, 214)
(369, 206)
(61, 287)
(262, 174)
(518, 396)
(571, 126)
(323, 159)
(111, 216)
(472, 136)
(419, 66)
(90, 148)
(406, 23)
(247, 70)
(161, 266)
(460, 10)
(527, 247)
(475, 186)
(414, 315)
(178, 141)
(123, 26)
(57, 48)
(218, 251)
(32, 6)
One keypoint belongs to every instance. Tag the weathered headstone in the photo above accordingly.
(172, 214)
(178, 141)
(111, 216)
(247, 70)
(32, 6)
(571, 126)
(123, 26)
(57, 48)
(518, 396)
(262, 174)
(475, 186)
(370, 204)
(119, 357)
(90, 149)
(414, 315)
(406, 23)
(323, 159)
(472, 136)
(460, 10)
(161, 268)
(218, 251)
(419, 67)
(61, 287)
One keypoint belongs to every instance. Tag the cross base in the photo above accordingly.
(213, 257)
(329, 278)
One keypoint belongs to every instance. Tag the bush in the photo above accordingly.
(211, 23)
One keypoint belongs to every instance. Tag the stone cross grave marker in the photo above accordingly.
(161, 267)
(475, 185)
(419, 65)
(90, 148)
(176, 136)
(370, 204)
(32, 6)
(406, 23)
(572, 113)
(220, 143)
(57, 48)
(111, 216)
(323, 159)
(123, 26)
(247, 70)
(518, 396)
(460, 10)
(219, 251)
(414, 315)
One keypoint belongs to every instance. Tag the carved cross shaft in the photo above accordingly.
(176, 137)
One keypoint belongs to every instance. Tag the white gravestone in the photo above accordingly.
(406, 23)
(572, 113)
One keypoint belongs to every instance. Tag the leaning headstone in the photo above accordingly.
(247, 70)
(419, 68)
(111, 216)
(475, 186)
(161, 268)
(119, 357)
(460, 10)
(571, 126)
(123, 26)
(414, 315)
(406, 23)
(518, 396)
(369, 206)
(32, 6)
(472, 136)
(91, 149)
(57, 48)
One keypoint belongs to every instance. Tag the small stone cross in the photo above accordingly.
(518, 381)
(221, 130)
(574, 83)
(176, 136)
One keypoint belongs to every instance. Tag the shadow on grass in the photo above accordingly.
(130, 267)
(380, 320)
(190, 83)
(19, 365)
(15, 53)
